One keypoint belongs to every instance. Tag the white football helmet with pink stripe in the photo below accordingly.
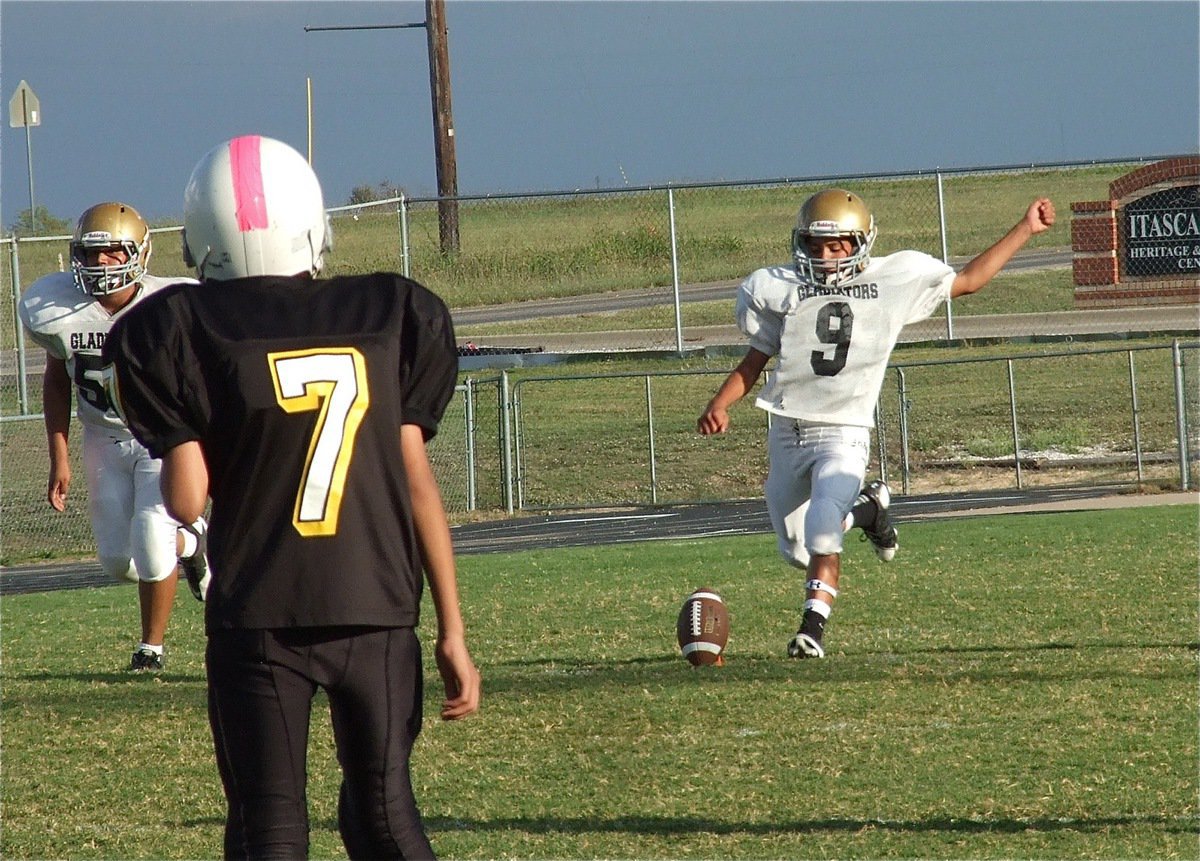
(253, 206)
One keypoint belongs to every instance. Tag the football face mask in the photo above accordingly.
(832, 214)
(109, 227)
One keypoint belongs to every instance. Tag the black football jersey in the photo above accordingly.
(296, 389)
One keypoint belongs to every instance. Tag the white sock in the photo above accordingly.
(821, 608)
(147, 647)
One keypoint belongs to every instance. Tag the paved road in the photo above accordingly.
(1178, 320)
(1183, 320)
(1026, 261)
(670, 523)
(540, 335)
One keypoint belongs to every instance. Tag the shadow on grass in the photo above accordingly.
(692, 825)
(110, 694)
(527, 676)
(1033, 647)
(115, 677)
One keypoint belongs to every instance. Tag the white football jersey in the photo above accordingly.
(72, 326)
(834, 343)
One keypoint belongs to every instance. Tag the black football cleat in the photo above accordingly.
(804, 646)
(880, 531)
(145, 661)
(195, 567)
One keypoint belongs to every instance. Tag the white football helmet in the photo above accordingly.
(253, 206)
(109, 227)
(834, 213)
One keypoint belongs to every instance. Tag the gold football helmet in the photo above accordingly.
(108, 227)
(834, 213)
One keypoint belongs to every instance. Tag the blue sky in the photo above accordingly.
(564, 95)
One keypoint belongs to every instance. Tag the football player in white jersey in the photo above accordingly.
(832, 317)
(70, 314)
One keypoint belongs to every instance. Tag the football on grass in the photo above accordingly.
(703, 628)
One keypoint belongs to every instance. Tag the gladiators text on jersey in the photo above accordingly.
(88, 340)
(854, 291)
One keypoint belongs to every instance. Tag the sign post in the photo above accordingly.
(24, 111)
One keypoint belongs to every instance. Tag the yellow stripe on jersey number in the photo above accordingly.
(333, 381)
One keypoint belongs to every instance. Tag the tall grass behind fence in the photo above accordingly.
(529, 248)
(722, 232)
(539, 246)
(631, 440)
(32, 530)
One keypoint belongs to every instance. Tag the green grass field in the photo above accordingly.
(1020, 686)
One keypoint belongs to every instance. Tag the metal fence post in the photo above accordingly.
(402, 211)
(1012, 411)
(941, 199)
(14, 264)
(469, 417)
(1180, 420)
(1137, 424)
(650, 443)
(905, 465)
(675, 272)
(506, 442)
(1189, 357)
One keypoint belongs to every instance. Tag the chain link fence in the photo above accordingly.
(655, 268)
(647, 270)
(1074, 416)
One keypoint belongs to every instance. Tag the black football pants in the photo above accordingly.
(261, 684)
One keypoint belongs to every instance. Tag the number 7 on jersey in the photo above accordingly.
(333, 382)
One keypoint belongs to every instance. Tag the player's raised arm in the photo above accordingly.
(1038, 219)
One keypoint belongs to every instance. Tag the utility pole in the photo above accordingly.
(443, 119)
(443, 124)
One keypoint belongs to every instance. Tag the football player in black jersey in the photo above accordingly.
(302, 406)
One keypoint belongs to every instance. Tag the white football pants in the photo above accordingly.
(135, 537)
(815, 475)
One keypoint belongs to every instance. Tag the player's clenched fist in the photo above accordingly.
(713, 420)
(1040, 216)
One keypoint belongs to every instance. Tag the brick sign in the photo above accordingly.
(1142, 245)
(1161, 233)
